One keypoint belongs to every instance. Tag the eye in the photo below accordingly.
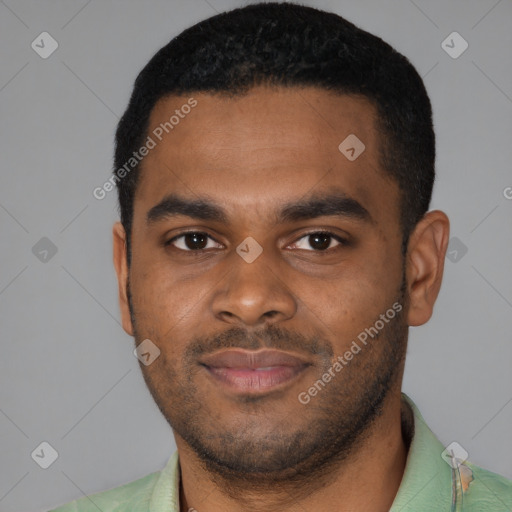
(195, 241)
(191, 241)
(319, 241)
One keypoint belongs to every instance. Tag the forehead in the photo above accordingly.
(263, 148)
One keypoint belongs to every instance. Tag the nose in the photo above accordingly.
(253, 294)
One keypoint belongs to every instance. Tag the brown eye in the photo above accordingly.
(191, 241)
(319, 241)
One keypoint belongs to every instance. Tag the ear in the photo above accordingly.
(425, 263)
(121, 266)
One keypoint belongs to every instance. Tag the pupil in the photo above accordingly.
(325, 241)
(195, 239)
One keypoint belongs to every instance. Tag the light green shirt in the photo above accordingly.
(429, 483)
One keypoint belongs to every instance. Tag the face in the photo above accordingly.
(261, 254)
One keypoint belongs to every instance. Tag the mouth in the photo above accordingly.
(254, 372)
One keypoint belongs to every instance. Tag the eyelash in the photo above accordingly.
(340, 240)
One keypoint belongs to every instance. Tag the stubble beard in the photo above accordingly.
(302, 451)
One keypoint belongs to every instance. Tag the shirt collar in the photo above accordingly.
(166, 493)
(426, 474)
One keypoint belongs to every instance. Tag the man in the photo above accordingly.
(275, 166)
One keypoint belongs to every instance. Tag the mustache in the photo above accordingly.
(270, 337)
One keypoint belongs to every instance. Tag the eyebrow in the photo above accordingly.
(333, 204)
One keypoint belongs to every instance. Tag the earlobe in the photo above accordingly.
(424, 265)
(121, 266)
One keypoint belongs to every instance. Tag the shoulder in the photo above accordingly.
(134, 495)
(465, 486)
(487, 491)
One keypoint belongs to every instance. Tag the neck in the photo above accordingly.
(368, 479)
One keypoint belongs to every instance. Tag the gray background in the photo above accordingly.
(68, 375)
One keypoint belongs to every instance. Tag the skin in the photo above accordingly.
(252, 154)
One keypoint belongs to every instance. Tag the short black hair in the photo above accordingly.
(286, 44)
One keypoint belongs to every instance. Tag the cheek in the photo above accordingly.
(352, 300)
(170, 311)
(158, 304)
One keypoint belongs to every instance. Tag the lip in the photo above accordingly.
(254, 372)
